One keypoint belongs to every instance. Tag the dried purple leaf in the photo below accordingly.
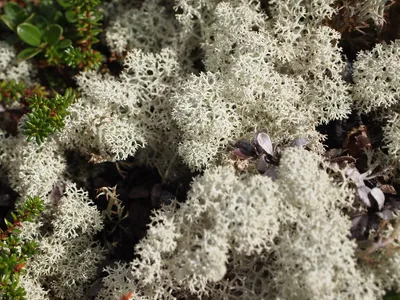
(238, 152)
(358, 227)
(246, 148)
(299, 142)
(392, 202)
(263, 143)
(334, 152)
(363, 192)
(377, 195)
(355, 176)
(271, 172)
(277, 151)
(262, 165)
(57, 193)
(385, 214)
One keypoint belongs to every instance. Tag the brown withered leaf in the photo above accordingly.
(95, 158)
(389, 189)
(357, 141)
(334, 152)
(343, 161)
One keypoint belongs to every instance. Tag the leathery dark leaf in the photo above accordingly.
(271, 172)
(359, 226)
(262, 165)
(385, 214)
(246, 148)
(238, 153)
(299, 142)
(355, 176)
(263, 143)
(363, 193)
(377, 198)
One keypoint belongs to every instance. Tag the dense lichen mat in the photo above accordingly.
(199, 149)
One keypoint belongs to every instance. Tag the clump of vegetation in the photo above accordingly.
(58, 34)
(14, 252)
(306, 95)
(44, 114)
(61, 33)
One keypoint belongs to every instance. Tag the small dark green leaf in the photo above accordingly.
(16, 231)
(96, 31)
(71, 16)
(29, 53)
(29, 19)
(15, 12)
(64, 44)
(6, 20)
(64, 3)
(38, 21)
(47, 11)
(58, 16)
(53, 34)
(8, 223)
(95, 40)
(97, 19)
(29, 33)
(39, 140)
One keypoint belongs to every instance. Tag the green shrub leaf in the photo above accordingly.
(15, 12)
(71, 16)
(6, 20)
(58, 16)
(29, 33)
(53, 34)
(29, 53)
(64, 3)
(64, 44)
(47, 11)
(38, 21)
